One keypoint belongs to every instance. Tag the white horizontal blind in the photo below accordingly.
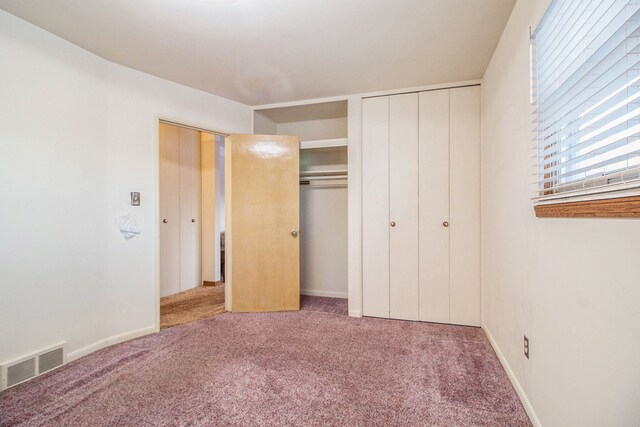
(586, 87)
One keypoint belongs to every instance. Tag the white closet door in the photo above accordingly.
(169, 210)
(403, 207)
(465, 206)
(434, 206)
(375, 207)
(190, 190)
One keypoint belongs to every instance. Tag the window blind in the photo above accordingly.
(586, 90)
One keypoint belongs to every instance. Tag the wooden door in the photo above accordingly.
(403, 207)
(465, 206)
(375, 207)
(262, 222)
(434, 206)
(190, 197)
(169, 210)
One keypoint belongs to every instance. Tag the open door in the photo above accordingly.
(262, 222)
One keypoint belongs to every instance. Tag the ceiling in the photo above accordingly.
(267, 51)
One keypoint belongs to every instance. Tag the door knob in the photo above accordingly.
(445, 224)
(193, 220)
(392, 223)
(165, 220)
(294, 232)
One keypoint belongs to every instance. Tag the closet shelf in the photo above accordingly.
(323, 143)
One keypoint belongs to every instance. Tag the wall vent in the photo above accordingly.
(32, 365)
(50, 360)
(21, 371)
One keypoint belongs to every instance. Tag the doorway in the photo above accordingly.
(192, 223)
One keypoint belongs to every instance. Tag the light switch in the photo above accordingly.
(135, 198)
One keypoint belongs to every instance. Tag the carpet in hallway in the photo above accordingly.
(304, 368)
(191, 305)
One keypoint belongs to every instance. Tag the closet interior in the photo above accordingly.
(322, 129)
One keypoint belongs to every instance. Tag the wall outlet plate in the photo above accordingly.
(135, 198)
(526, 347)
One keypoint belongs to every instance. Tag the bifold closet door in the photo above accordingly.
(465, 206)
(390, 206)
(434, 206)
(169, 210)
(403, 207)
(375, 207)
(190, 196)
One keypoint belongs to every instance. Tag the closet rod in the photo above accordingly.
(325, 184)
(323, 173)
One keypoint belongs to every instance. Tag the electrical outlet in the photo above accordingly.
(526, 347)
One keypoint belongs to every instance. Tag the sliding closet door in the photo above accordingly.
(465, 206)
(375, 207)
(190, 191)
(403, 207)
(434, 206)
(169, 210)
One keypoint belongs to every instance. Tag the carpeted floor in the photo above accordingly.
(324, 304)
(189, 306)
(305, 368)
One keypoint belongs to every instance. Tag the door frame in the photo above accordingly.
(158, 119)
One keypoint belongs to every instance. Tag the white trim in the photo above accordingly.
(321, 293)
(449, 85)
(606, 192)
(355, 313)
(514, 381)
(106, 342)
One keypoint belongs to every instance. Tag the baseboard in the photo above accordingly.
(116, 339)
(321, 293)
(514, 381)
(355, 313)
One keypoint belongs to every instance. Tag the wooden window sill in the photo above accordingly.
(621, 207)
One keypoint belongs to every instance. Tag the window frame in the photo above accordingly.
(608, 201)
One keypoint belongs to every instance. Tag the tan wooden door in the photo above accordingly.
(262, 222)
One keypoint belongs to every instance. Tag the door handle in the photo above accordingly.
(165, 220)
(445, 224)
(193, 220)
(294, 232)
(392, 223)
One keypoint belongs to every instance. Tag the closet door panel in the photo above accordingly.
(403, 211)
(190, 187)
(465, 206)
(375, 207)
(434, 206)
(169, 210)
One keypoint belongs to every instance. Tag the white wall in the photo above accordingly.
(309, 130)
(77, 134)
(571, 285)
(208, 216)
(263, 125)
(220, 210)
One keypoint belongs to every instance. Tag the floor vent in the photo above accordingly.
(27, 367)
(50, 360)
(21, 371)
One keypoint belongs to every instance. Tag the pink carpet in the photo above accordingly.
(307, 368)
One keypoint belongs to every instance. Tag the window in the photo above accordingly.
(586, 90)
